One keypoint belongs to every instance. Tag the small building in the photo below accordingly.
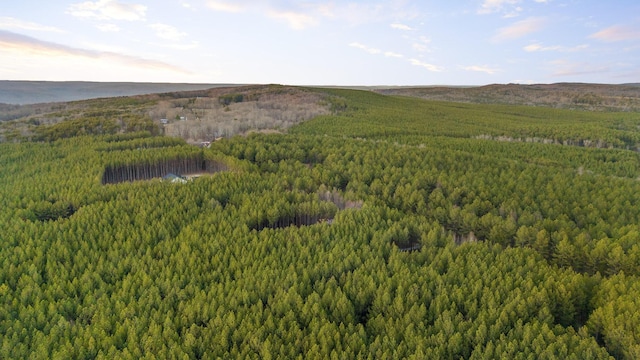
(164, 121)
(177, 179)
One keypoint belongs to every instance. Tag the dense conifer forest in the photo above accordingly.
(392, 228)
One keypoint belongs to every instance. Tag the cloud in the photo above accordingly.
(167, 32)
(567, 68)
(493, 6)
(539, 47)
(401, 27)
(303, 14)
(295, 17)
(513, 13)
(296, 20)
(108, 27)
(358, 13)
(481, 68)
(178, 46)
(617, 33)
(375, 51)
(25, 45)
(368, 49)
(392, 54)
(415, 62)
(108, 10)
(427, 66)
(510, 8)
(12, 23)
(422, 45)
(520, 29)
(225, 6)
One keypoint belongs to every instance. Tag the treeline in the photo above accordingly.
(586, 97)
(140, 157)
(49, 122)
(144, 171)
(140, 141)
(92, 126)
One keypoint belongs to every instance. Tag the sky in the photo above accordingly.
(322, 42)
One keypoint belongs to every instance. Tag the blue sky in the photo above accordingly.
(319, 42)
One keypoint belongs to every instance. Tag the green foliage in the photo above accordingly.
(47, 210)
(48, 122)
(293, 248)
(94, 126)
(615, 319)
(405, 119)
(142, 142)
(229, 99)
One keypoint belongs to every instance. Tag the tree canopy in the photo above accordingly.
(394, 228)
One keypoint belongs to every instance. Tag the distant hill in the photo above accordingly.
(195, 115)
(594, 97)
(34, 92)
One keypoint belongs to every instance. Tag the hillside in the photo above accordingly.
(593, 97)
(196, 116)
(365, 226)
(224, 111)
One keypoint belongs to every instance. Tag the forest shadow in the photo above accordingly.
(296, 220)
(179, 167)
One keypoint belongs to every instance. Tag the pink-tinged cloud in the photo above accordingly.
(558, 48)
(26, 45)
(520, 29)
(296, 20)
(617, 33)
(108, 10)
(304, 14)
(12, 23)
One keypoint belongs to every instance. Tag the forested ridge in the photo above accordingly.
(393, 228)
(597, 97)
